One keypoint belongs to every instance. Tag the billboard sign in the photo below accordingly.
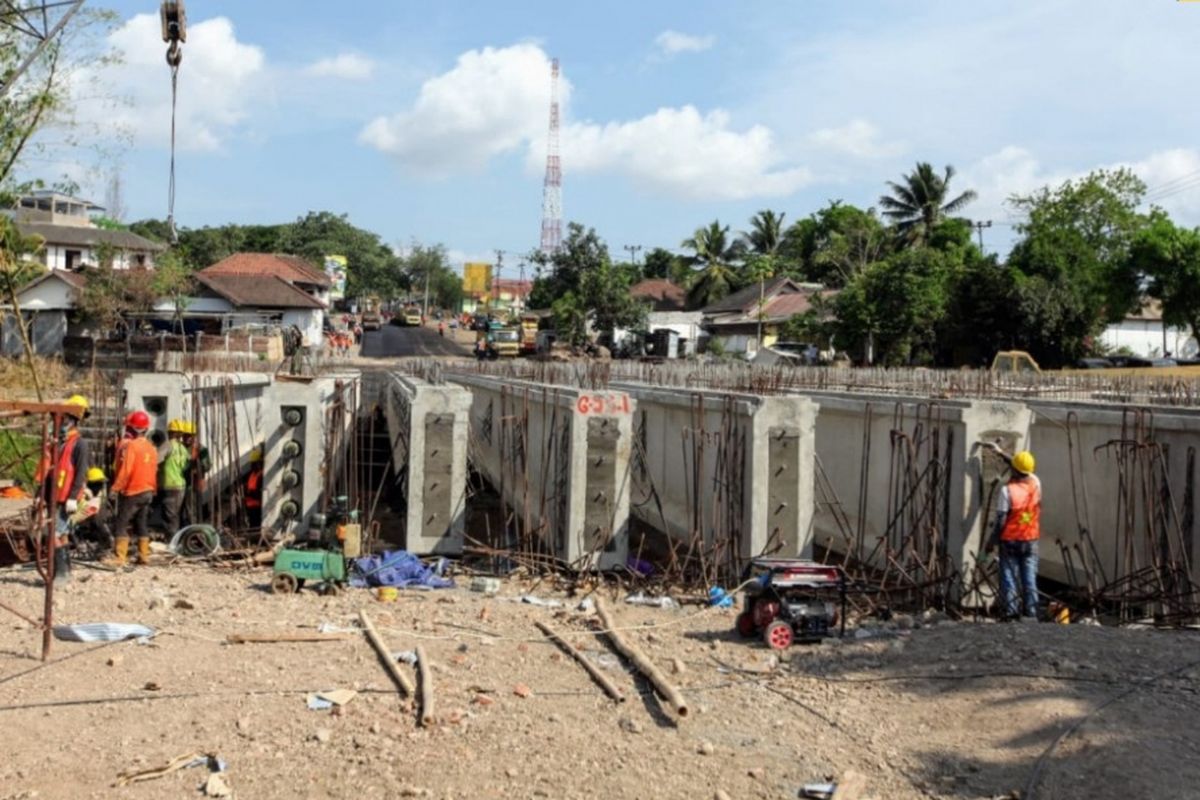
(336, 268)
(477, 279)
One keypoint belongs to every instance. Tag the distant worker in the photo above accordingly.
(441, 328)
(63, 473)
(199, 463)
(92, 519)
(1017, 529)
(173, 484)
(134, 486)
(253, 487)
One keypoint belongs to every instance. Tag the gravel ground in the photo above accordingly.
(920, 707)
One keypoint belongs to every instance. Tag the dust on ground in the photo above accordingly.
(924, 708)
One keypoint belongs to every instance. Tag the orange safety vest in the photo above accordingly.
(254, 489)
(64, 472)
(1024, 512)
(137, 467)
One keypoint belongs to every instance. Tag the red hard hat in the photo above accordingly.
(138, 420)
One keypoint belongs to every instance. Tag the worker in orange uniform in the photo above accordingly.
(134, 486)
(1017, 530)
(63, 473)
(253, 488)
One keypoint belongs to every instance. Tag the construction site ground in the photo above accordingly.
(920, 707)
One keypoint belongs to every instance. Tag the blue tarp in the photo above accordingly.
(398, 568)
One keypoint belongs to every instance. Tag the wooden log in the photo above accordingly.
(264, 638)
(639, 660)
(425, 687)
(385, 655)
(599, 677)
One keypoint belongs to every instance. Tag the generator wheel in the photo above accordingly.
(331, 589)
(745, 625)
(284, 583)
(778, 635)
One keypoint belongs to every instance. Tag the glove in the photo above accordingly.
(72, 506)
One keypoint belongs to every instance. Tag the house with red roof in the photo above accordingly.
(738, 320)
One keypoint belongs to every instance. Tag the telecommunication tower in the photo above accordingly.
(552, 185)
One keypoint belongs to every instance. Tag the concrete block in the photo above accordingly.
(428, 427)
(560, 458)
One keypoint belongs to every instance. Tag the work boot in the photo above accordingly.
(62, 565)
(143, 557)
(120, 556)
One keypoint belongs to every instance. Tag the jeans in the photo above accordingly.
(172, 502)
(1018, 577)
(133, 510)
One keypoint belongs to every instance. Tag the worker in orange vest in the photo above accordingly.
(135, 487)
(63, 474)
(1016, 531)
(253, 487)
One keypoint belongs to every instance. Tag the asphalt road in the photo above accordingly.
(392, 341)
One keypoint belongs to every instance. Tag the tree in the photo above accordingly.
(1169, 256)
(765, 234)
(711, 260)
(893, 307)
(660, 263)
(1076, 242)
(834, 244)
(919, 202)
(562, 271)
(425, 265)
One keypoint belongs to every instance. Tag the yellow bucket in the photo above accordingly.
(387, 594)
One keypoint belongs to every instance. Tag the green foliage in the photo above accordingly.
(109, 224)
(920, 201)
(562, 272)
(834, 244)
(570, 319)
(713, 254)
(1075, 261)
(766, 233)
(111, 295)
(1169, 256)
(660, 263)
(894, 305)
(425, 261)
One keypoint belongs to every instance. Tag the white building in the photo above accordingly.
(1143, 334)
(71, 238)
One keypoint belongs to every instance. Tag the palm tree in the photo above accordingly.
(766, 232)
(713, 275)
(918, 203)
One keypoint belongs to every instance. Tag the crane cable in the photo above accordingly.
(174, 58)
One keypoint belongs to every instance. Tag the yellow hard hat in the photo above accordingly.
(189, 427)
(256, 455)
(80, 401)
(175, 426)
(96, 475)
(1023, 462)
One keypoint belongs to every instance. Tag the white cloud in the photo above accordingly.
(673, 42)
(215, 81)
(495, 102)
(347, 66)
(1172, 177)
(858, 138)
(686, 153)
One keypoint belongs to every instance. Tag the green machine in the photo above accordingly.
(320, 560)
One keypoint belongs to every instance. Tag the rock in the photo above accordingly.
(521, 690)
(114, 660)
(677, 667)
(323, 735)
(184, 604)
(757, 773)
(630, 725)
(416, 791)
(706, 748)
(512, 772)
(464, 647)
(483, 700)
(721, 794)
(243, 724)
(376, 728)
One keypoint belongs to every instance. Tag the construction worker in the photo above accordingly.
(91, 520)
(134, 486)
(1016, 531)
(199, 463)
(253, 488)
(173, 483)
(63, 473)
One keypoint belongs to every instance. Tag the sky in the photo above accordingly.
(427, 121)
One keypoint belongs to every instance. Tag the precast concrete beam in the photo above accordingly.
(880, 457)
(428, 427)
(560, 458)
(725, 464)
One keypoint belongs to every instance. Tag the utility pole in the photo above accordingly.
(496, 280)
(425, 304)
(521, 286)
(633, 249)
(979, 226)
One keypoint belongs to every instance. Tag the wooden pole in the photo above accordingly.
(643, 664)
(608, 686)
(385, 655)
(425, 687)
(263, 638)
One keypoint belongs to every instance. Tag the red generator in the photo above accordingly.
(792, 600)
